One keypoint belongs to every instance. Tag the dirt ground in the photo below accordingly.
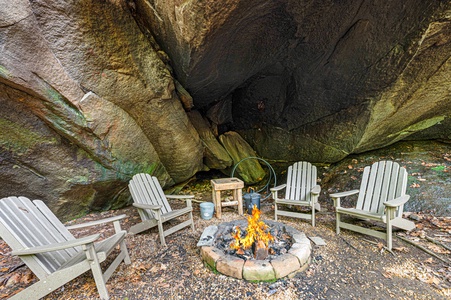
(350, 266)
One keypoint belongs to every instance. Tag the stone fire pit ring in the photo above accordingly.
(295, 260)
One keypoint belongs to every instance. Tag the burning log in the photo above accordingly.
(260, 251)
(257, 236)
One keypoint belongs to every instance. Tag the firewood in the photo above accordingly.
(261, 251)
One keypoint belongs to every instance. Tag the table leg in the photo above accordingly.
(239, 198)
(217, 195)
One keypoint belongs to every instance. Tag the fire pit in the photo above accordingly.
(255, 250)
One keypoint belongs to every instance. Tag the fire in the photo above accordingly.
(256, 232)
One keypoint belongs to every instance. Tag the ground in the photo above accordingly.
(350, 266)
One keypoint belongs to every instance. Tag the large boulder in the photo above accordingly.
(315, 81)
(244, 164)
(86, 103)
(215, 155)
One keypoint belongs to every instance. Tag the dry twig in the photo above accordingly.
(383, 247)
(424, 249)
(352, 246)
(438, 243)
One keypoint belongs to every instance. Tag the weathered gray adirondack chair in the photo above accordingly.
(381, 197)
(154, 208)
(301, 190)
(52, 253)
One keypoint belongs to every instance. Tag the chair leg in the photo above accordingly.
(389, 232)
(313, 215)
(275, 211)
(192, 221)
(127, 260)
(161, 232)
(97, 272)
(337, 217)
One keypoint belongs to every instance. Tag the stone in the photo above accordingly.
(258, 270)
(285, 265)
(249, 170)
(318, 241)
(215, 156)
(300, 238)
(301, 251)
(207, 237)
(415, 217)
(231, 266)
(210, 255)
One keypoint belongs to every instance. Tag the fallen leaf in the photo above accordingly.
(27, 278)
(143, 266)
(433, 280)
(154, 269)
(13, 280)
(401, 249)
(429, 260)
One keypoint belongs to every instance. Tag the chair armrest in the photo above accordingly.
(147, 206)
(315, 190)
(397, 202)
(344, 194)
(180, 196)
(275, 190)
(97, 222)
(278, 188)
(57, 246)
(336, 196)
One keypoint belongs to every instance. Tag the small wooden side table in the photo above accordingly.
(223, 184)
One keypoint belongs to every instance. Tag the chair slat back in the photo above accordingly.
(146, 189)
(23, 224)
(301, 177)
(381, 182)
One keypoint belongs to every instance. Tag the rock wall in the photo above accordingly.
(86, 103)
(314, 80)
(93, 92)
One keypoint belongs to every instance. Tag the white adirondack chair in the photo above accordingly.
(154, 208)
(52, 253)
(381, 197)
(301, 190)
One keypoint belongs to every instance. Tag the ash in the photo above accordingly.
(281, 244)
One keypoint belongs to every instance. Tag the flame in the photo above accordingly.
(256, 231)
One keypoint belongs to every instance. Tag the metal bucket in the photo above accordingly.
(206, 210)
(250, 199)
